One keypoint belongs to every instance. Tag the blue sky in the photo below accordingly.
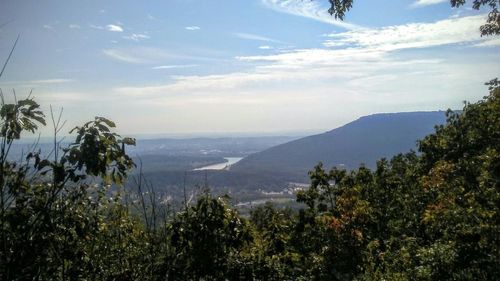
(243, 66)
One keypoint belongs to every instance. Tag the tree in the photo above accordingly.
(49, 208)
(462, 178)
(430, 216)
(492, 26)
(204, 238)
(338, 8)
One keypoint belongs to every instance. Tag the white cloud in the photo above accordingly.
(175, 66)
(48, 26)
(114, 28)
(255, 37)
(329, 90)
(315, 58)
(489, 43)
(285, 70)
(308, 9)
(423, 3)
(74, 26)
(265, 47)
(413, 35)
(136, 37)
(362, 49)
(192, 28)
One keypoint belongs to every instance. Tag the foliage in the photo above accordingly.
(50, 214)
(204, 238)
(339, 7)
(432, 215)
(98, 152)
(492, 26)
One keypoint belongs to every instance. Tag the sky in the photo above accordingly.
(201, 67)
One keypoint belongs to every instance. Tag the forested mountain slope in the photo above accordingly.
(362, 141)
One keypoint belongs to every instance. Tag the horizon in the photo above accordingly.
(30, 138)
(264, 66)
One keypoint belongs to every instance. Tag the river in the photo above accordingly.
(221, 166)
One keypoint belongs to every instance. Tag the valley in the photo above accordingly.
(252, 171)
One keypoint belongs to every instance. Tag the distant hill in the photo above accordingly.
(362, 141)
(221, 147)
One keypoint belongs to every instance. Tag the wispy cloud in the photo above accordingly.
(150, 55)
(48, 26)
(309, 92)
(192, 28)
(316, 58)
(175, 66)
(265, 47)
(40, 82)
(414, 35)
(249, 36)
(114, 28)
(74, 26)
(109, 27)
(136, 37)
(423, 3)
(300, 69)
(364, 69)
(489, 43)
(137, 55)
(308, 9)
(51, 81)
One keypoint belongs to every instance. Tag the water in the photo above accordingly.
(221, 166)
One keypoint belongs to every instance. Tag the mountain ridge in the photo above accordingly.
(362, 141)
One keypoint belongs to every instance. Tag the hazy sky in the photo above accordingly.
(197, 66)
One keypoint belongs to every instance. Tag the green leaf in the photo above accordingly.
(106, 121)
